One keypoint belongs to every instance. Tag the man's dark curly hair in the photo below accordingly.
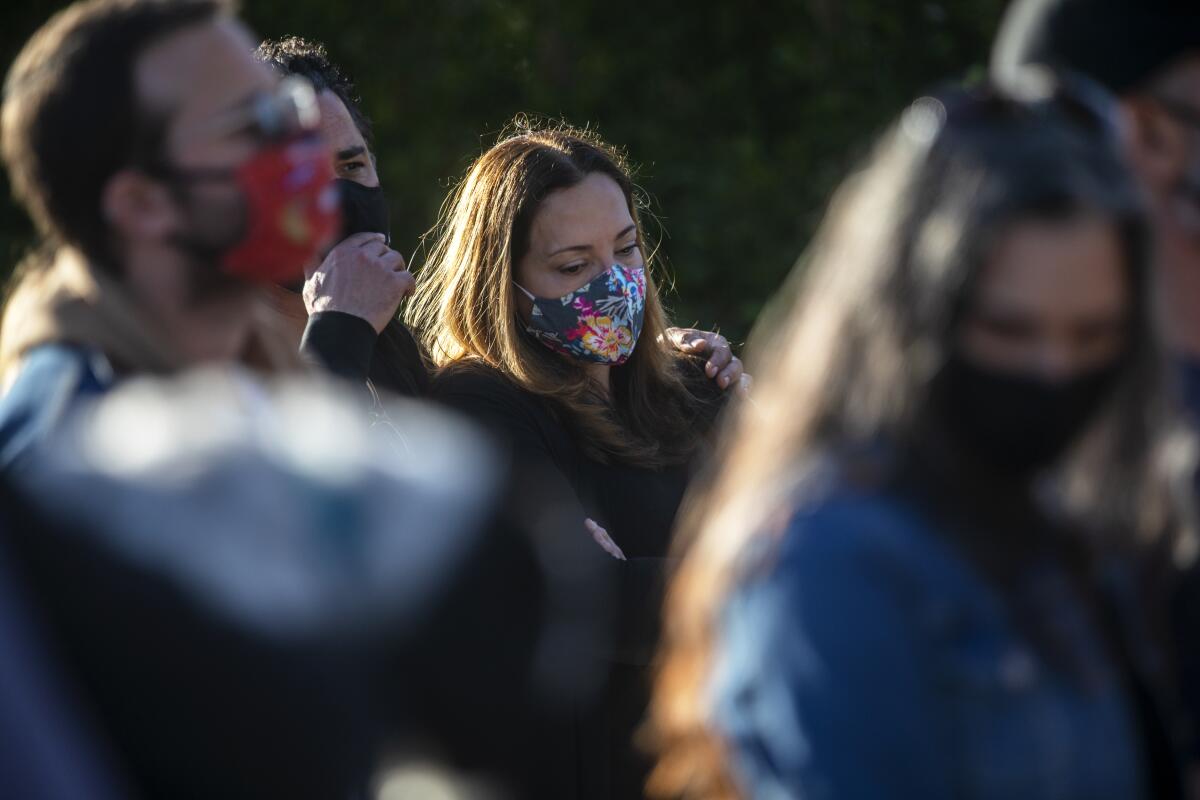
(293, 55)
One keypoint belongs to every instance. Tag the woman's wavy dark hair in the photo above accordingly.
(847, 359)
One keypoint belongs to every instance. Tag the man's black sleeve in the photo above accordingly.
(348, 347)
(340, 343)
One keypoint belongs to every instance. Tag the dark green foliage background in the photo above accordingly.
(741, 115)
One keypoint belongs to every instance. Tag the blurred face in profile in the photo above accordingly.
(577, 234)
(204, 82)
(1164, 149)
(1052, 301)
(351, 158)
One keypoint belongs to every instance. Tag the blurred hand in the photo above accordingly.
(723, 366)
(603, 539)
(360, 276)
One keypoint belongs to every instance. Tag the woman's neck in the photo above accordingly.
(600, 374)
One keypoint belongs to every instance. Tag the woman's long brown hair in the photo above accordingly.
(466, 313)
(845, 360)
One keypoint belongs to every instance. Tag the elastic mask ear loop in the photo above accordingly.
(526, 291)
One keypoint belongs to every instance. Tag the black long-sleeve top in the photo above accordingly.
(552, 476)
(348, 347)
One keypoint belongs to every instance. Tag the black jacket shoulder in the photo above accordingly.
(519, 419)
(480, 390)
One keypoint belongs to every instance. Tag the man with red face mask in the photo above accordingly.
(169, 175)
(204, 182)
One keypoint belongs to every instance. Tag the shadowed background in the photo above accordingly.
(741, 116)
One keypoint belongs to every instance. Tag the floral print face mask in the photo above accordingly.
(598, 322)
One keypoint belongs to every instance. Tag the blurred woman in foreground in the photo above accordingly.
(916, 574)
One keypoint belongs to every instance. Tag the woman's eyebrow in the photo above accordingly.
(582, 247)
(569, 248)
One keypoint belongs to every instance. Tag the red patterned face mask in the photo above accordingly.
(292, 211)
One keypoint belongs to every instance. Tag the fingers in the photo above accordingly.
(676, 336)
(722, 366)
(699, 346)
(353, 255)
(720, 356)
(350, 249)
(604, 540)
(731, 374)
(716, 346)
(392, 260)
(407, 281)
(601, 537)
(364, 239)
(687, 340)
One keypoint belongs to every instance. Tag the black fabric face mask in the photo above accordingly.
(364, 209)
(1017, 423)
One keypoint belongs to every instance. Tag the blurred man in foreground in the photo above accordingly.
(199, 178)
(207, 571)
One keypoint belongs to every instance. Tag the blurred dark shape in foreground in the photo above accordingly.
(225, 589)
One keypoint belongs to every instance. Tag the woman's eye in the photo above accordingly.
(571, 269)
(352, 166)
(628, 251)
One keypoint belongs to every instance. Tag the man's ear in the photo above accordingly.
(1157, 144)
(137, 206)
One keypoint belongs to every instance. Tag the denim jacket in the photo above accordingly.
(51, 380)
(865, 658)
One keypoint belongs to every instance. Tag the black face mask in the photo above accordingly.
(364, 209)
(1016, 423)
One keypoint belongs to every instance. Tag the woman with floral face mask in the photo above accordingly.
(545, 321)
(921, 570)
